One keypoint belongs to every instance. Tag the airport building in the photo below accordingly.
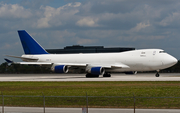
(88, 49)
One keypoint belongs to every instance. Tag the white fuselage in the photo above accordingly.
(137, 60)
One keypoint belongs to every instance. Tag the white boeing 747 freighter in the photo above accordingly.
(94, 64)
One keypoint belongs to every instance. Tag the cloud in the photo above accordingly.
(172, 19)
(9, 11)
(88, 21)
(54, 16)
(138, 24)
(49, 12)
(85, 41)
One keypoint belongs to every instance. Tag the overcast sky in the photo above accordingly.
(110, 23)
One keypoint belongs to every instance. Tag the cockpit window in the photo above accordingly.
(162, 52)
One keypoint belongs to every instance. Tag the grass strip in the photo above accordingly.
(119, 88)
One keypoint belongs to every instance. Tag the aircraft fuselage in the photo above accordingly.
(137, 60)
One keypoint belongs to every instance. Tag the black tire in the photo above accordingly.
(107, 75)
(91, 76)
(157, 75)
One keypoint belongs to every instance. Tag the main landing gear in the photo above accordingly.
(107, 75)
(89, 75)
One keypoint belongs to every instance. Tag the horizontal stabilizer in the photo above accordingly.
(34, 63)
(23, 58)
(8, 61)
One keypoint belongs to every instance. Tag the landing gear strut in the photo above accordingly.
(107, 75)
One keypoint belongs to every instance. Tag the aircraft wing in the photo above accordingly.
(94, 65)
(80, 65)
(119, 65)
(46, 63)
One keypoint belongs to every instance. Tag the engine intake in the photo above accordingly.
(61, 69)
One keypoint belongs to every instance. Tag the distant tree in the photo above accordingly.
(17, 68)
(3, 67)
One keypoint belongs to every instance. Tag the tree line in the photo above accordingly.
(17, 68)
(25, 69)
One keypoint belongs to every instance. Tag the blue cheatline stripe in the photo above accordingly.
(30, 45)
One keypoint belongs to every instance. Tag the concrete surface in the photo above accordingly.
(79, 110)
(81, 77)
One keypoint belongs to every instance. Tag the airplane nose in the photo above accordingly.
(175, 61)
(170, 61)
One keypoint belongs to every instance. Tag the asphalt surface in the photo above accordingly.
(79, 110)
(81, 77)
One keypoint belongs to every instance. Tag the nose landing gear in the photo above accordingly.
(157, 73)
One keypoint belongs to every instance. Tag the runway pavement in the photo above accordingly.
(81, 77)
(79, 110)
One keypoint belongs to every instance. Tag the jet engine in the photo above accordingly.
(60, 69)
(96, 70)
(131, 72)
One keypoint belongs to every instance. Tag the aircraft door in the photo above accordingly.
(154, 53)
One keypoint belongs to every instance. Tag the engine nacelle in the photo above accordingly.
(97, 70)
(60, 69)
(131, 72)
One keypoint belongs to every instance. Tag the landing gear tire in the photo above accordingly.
(107, 75)
(157, 74)
(91, 76)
